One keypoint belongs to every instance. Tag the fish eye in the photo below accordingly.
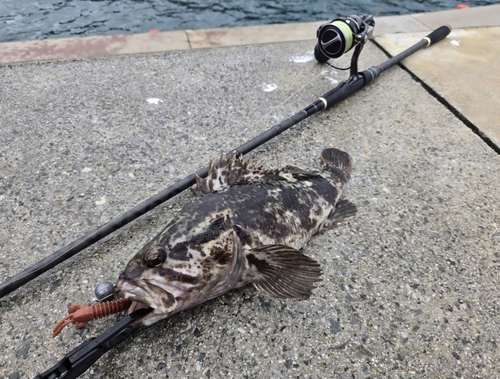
(155, 257)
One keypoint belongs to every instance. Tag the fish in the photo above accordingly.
(246, 225)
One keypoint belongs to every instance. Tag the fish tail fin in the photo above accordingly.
(335, 159)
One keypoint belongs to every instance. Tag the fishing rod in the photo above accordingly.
(335, 38)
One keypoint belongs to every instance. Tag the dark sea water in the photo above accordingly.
(27, 20)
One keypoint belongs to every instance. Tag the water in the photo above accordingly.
(27, 20)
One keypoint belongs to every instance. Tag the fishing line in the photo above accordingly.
(315, 77)
(279, 105)
(338, 68)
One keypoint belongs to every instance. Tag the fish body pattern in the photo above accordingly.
(246, 225)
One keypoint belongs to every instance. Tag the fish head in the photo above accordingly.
(142, 283)
(167, 281)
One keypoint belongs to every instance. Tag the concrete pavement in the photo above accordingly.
(410, 286)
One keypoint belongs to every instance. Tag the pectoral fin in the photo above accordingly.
(282, 271)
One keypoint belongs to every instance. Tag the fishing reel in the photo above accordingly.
(339, 36)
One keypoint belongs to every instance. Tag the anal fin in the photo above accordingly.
(344, 210)
(282, 271)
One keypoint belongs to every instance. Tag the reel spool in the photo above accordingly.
(337, 37)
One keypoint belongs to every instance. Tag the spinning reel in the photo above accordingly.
(339, 36)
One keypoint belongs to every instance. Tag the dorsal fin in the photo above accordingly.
(292, 174)
(239, 170)
(228, 172)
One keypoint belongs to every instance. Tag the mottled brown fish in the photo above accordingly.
(246, 226)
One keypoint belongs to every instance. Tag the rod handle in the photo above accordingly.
(438, 34)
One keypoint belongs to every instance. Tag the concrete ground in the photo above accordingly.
(410, 286)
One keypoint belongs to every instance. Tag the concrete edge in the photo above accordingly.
(102, 46)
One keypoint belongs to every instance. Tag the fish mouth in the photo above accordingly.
(146, 295)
